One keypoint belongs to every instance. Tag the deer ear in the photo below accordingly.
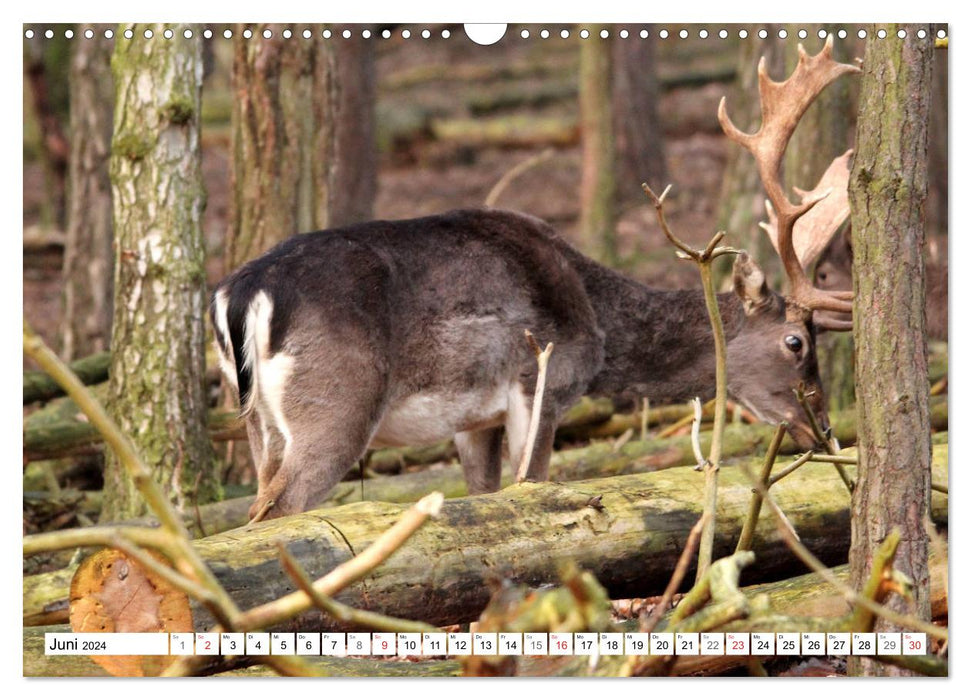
(749, 282)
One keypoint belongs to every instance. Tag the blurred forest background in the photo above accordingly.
(438, 122)
(299, 133)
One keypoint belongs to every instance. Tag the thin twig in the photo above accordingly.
(345, 613)
(182, 554)
(700, 461)
(703, 259)
(515, 172)
(683, 421)
(801, 460)
(622, 440)
(645, 414)
(755, 506)
(810, 560)
(177, 580)
(384, 546)
(680, 569)
(821, 437)
(265, 508)
(542, 360)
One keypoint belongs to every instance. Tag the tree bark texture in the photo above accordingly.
(156, 386)
(598, 206)
(88, 257)
(302, 136)
(637, 124)
(888, 188)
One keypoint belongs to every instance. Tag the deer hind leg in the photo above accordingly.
(328, 411)
(480, 452)
(266, 448)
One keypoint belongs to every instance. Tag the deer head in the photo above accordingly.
(799, 231)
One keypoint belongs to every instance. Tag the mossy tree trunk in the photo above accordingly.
(88, 258)
(598, 207)
(156, 388)
(741, 203)
(888, 188)
(636, 96)
(302, 136)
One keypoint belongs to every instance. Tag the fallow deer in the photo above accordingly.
(835, 271)
(408, 332)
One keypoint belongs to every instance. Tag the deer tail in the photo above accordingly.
(241, 319)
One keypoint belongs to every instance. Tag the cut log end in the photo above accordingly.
(113, 593)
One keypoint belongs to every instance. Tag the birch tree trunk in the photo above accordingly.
(888, 188)
(88, 258)
(156, 388)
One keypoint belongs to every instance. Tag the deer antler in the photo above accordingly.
(783, 105)
(813, 231)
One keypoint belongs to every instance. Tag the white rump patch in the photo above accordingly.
(227, 362)
(269, 372)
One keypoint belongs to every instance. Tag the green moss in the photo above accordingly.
(179, 110)
(132, 145)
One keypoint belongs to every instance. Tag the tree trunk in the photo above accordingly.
(302, 137)
(345, 169)
(88, 256)
(937, 200)
(49, 101)
(636, 96)
(741, 203)
(598, 206)
(888, 188)
(156, 386)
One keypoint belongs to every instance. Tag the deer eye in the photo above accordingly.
(794, 343)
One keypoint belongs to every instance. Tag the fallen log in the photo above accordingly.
(54, 439)
(38, 386)
(514, 131)
(594, 461)
(608, 526)
(807, 595)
